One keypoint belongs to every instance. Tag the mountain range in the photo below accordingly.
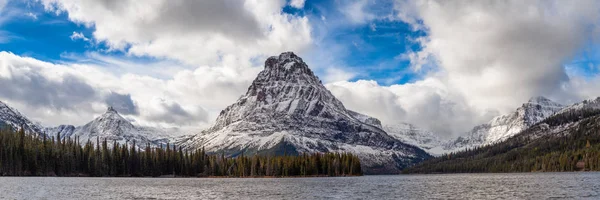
(111, 126)
(287, 110)
(567, 140)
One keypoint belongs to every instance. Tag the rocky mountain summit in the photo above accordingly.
(287, 110)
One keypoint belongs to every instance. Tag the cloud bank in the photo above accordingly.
(488, 57)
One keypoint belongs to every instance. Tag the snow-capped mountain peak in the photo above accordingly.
(287, 109)
(111, 126)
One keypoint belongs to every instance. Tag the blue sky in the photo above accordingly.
(442, 65)
(372, 49)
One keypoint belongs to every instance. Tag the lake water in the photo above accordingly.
(450, 186)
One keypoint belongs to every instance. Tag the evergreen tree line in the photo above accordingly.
(534, 150)
(24, 154)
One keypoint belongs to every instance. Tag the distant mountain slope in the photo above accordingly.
(407, 133)
(113, 127)
(566, 141)
(505, 126)
(287, 110)
(410, 134)
(590, 104)
(11, 117)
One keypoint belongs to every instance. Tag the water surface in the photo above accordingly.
(450, 186)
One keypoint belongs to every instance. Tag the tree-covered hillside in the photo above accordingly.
(24, 154)
(569, 141)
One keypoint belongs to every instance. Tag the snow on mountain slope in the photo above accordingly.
(366, 119)
(503, 127)
(416, 136)
(63, 130)
(11, 117)
(406, 133)
(113, 127)
(586, 104)
(288, 110)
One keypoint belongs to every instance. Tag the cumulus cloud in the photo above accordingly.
(505, 52)
(486, 58)
(206, 52)
(490, 57)
(336, 74)
(41, 84)
(76, 93)
(193, 32)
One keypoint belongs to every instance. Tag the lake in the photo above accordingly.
(453, 186)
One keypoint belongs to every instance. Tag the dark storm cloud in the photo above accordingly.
(122, 103)
(174, 113)
(35, 89)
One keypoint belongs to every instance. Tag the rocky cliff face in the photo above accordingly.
(288, 110)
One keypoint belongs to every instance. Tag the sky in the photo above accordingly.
(444, 66)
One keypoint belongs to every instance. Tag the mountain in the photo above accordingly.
(411, 134)
(113, 127)
(63, 130)
(287, 110)
(590, 104)
(407, 133)
(11, 117)
(503, 127)
(366, 119)
(568, 140)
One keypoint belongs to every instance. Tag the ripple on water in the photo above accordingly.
(450, 186)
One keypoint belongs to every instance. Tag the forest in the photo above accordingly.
(549, 146)
(23, 154)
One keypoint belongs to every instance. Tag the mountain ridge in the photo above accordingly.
(13, 118)
(505, 126)
(111, 126)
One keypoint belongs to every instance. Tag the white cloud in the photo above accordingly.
(427, 103)
(78, 36)
(74, 93)
(373, 27)
(336, 74)
(505, 51)
(31, 15)
(207, 53)
(193, 32)
(297, 3)
(491, 56)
